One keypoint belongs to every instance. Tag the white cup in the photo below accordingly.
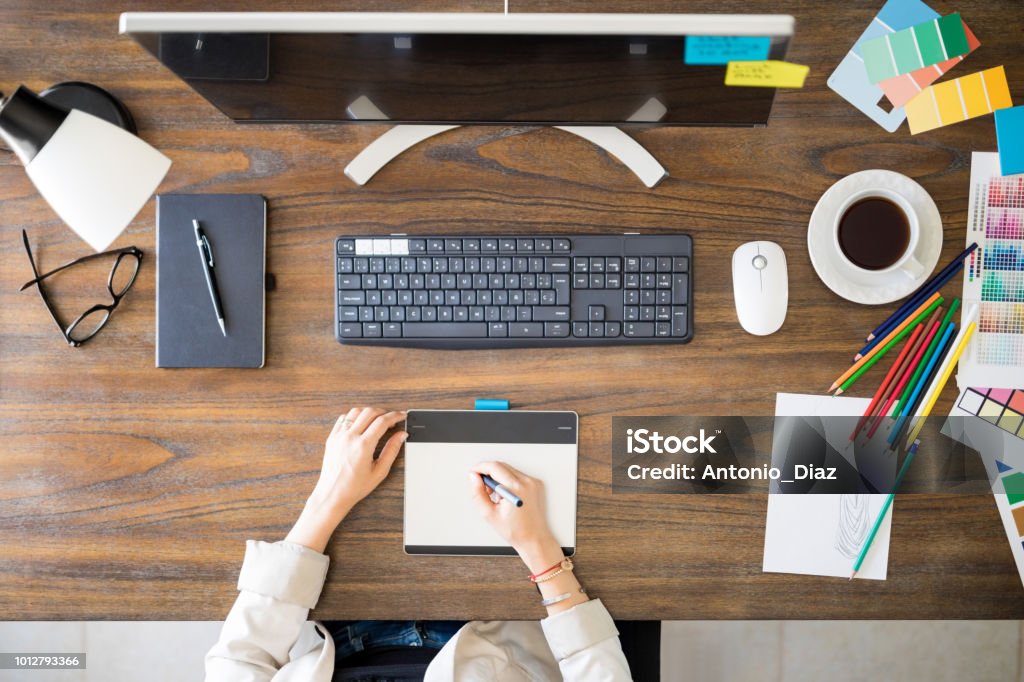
(906, 263)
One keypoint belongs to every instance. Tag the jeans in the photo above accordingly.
(354, 636)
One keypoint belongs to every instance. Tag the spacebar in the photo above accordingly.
(435, 330)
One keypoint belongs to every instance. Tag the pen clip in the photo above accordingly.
(207, 250)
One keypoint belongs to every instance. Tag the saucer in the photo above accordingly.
(850, 282)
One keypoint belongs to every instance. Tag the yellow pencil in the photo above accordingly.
(905, 326)
(942, 376)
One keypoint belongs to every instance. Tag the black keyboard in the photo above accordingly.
(514, 291)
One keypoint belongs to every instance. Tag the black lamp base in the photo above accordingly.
(92, 100)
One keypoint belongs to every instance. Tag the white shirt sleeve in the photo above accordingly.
(586, 644)
(278, 585)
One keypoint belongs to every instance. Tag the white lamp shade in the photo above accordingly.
(96, 176)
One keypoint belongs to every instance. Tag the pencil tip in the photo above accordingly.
(852, 573)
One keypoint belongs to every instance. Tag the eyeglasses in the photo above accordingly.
(120, 280)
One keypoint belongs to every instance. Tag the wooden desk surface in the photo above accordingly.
(127, 492)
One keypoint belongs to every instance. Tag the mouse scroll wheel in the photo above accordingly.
(760, 262)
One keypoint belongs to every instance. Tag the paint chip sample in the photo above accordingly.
(953, 101)
(914, 48)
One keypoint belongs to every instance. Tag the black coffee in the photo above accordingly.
(874, 233)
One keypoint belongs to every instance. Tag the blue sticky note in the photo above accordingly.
(1010, 138)
(725, 49)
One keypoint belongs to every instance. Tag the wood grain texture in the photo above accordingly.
(127, 492)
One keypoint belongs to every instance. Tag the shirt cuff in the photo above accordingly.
(284, 571)
(579, 628)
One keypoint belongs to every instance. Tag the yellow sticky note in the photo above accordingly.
(766, 74)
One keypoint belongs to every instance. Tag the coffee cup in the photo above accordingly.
(876, 232)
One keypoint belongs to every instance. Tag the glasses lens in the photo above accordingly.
(87, 326)
(123, 276)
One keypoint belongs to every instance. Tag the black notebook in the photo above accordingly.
(187, 332)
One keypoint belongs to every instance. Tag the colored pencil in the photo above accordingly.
(886, 382)
(946, 369)
(880, 409)
(904, 378)
(933, 362)
(896, 433)
(885, 508)
(946, 321)
(898, 333)
(867, 365)
(926, 289)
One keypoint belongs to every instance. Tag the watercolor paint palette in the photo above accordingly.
(994, 277)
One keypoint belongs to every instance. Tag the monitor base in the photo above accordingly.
(613, 140)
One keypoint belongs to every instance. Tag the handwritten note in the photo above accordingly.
(766, 74)
(725, 49)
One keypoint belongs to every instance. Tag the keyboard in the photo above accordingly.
(514, 291)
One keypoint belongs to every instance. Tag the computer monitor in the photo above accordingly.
(455, 68)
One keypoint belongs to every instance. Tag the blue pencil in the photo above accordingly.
(924, 292)
(940, 352)
(501, 490)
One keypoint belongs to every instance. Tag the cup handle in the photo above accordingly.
(912, 267)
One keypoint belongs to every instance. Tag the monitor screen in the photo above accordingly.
(471, 75)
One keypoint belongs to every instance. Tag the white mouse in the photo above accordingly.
(761, 287)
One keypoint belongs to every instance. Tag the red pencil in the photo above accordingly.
(885, 382)
(934, 326)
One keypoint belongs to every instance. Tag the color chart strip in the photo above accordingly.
(914, 48)
(958, 100)
(1000, 406)
(1011, 509)
(902, 89)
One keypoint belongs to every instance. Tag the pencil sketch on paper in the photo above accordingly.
(851, 525)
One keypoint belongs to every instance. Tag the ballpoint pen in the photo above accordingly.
(206, 255)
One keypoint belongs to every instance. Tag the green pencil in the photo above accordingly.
(927, 355)
(885, 349)
(885, 508)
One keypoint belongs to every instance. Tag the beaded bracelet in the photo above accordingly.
(551, 601)
(565, 565)
(548, 576)
(540, 573)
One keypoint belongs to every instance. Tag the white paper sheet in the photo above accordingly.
(817, 534)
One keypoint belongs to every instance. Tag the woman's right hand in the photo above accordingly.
(525, 528)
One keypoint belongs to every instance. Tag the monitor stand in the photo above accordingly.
(378, 153)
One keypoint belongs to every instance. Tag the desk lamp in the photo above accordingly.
(78, 146)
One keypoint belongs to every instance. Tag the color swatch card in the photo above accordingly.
(902, 89)
(957, 100)
(994, 277)
(914, 48)
(1010, 503)
(725, 49)
(850, 79)
(821, 534)
(1010, 137)
(766, 74)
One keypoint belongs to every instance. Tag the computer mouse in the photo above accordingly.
(760, 285)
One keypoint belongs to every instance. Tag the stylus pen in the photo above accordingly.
(501, 490)
(206, 255)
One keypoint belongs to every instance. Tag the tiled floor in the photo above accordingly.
(733, 651)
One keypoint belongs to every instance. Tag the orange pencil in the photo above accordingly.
(904, 327)
(885, 382)
(906, 376)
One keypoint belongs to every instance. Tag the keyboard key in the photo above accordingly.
(580, 281)
(664, 280)
(663, 297)
(412, 313)
(371, 330)
(350, 330)
(489, 245)
(524, 313)
(596, 314)
(417, 246)
(460, 313)
(631, 313)
(435, 246)
(508, 313)
(344, 265)
(497, 329)
(664, 264)
(385, 282)
(366, 313)
(631, 297)
(556, 265)
(399, 247)
(520, 264)
(453, 246)
(364, 247)
(613, 264)
(531, 297)
(632, 264)
(380, 314)
(352, 297)
(408, 264)
(456, 265)
(507, 245)
(580, 264)
(663, 329)
(596, 329)
(681, 264)
(524, 245)
(679, 321)
(439, 330)
(347, 246)
(350, 281)
(444, 313)
(648, 281)
(551, 313)
(647, 313)
(473, 265)
(679, 285)
(559, 329)
(439, 265)
(647, 297)
(492, 313)
(612, 281)
(522, 329)
(476, 314)
(536, 264)
(612, 328)
(597, 281)
(561, 246)
(580, 329)
(373, 298)
(547, 297)
(515, 297)
(360, 265)
(452, 297)
(504, 265)
(648, 264)
(428, 313)
(663, 312)
(396, 313)
(597, 265)
(348, 313)
(635, 329)
(542, 245)
(488, 265)
(632, 280)
(448, 281)
(392, 329)
(467, 297)
(381, 247)
(377, 265)
(471, 246)
(560, 283)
